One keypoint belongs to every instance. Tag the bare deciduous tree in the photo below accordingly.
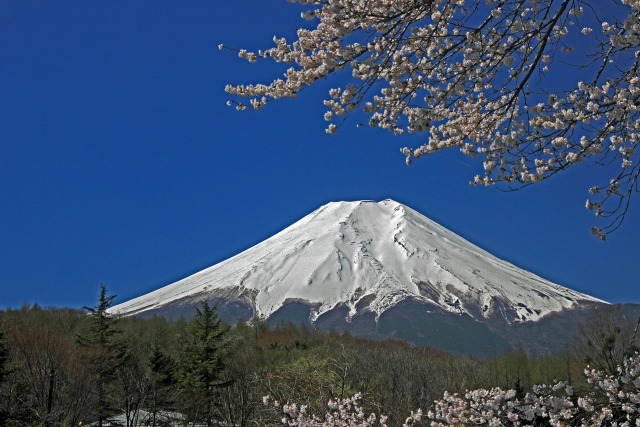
(606, 338)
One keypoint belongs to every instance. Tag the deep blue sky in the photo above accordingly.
(121, 164)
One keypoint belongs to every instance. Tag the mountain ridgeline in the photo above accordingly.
(382, 270)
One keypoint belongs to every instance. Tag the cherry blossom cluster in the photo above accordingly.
(616, 398)
(612, 400)
(502, 407)
(343, 412)
(478, 76)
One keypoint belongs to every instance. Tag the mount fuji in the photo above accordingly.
(378, 269)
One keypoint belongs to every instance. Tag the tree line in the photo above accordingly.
(66, 367)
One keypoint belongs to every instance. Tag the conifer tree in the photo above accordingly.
(4, 357)
(103, 354)
(161, 382)
(203, 362)
(4, 373)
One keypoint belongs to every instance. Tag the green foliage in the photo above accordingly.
(102, 326)
(161, 376)
(4, 373)
(203, 362)
(103, 356)
(216, 375)
(4, 357)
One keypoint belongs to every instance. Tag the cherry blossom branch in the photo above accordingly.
(461, 72)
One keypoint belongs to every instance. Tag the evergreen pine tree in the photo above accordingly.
(203, 362)
(103, 354)
(161, 382)
(4, 357)
(4, 373)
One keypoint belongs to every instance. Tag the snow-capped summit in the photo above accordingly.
(369, 256)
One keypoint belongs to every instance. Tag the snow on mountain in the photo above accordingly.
(372, 255)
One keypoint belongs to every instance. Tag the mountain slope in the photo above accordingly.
(367, 257)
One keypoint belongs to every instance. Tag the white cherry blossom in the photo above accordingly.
(476, 76)
(608, 400)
